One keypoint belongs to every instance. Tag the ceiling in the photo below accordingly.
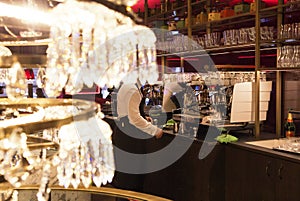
(12, 29)
(15, 31)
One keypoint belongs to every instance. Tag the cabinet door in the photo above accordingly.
(189, 178)
(249, 175)
(288, 180)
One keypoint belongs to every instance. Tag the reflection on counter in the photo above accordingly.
(291, 145)
(288, 145)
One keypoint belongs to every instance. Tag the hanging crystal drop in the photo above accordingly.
(75, 165)
(67, 172)
(86, 177)
(56, 160)
(44, 190)
(56, 80)
(16, 82)
(75, 83)
(86, 167)
(97, 176)
(41, 77)
(75, 180)
(87, 56)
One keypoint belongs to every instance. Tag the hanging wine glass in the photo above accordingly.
(287, 62)
(296, 56)
(282, 57)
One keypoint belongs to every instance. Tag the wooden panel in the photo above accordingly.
(287, 180)
(189, 178)
(249, 176)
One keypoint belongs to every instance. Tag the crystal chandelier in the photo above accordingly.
(90, 43)
(67, 138)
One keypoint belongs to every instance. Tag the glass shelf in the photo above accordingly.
(280, 6)
(220, 50)
(161, 16)
(235, 67)
(285, 41)
(279, 69)
(32, 123)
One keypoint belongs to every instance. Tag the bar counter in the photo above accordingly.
(208, 170)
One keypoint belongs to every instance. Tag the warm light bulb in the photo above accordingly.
(4, 51)
(25, 13)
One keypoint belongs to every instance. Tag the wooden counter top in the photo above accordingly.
(267, 151)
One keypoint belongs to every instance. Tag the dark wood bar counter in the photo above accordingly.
(189, 178)
(258, 173)
(233, 171)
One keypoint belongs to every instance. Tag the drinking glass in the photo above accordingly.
(234, 36)
(201, 41)
(284, 60)
(242, 36)
(296, 56)
(281, 54)
(287, 56)
(207, 40)
(271, 33)
(264, 33)
(297, 30)
(280, 34)
(226, 37)
(216, 37)
(251, 32)
(287, 31)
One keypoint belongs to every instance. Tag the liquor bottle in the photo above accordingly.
(289, 126)
(175, 127)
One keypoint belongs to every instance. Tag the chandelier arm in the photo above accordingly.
(121, 9)
(31, 127)
(40, 143)
(10, 32)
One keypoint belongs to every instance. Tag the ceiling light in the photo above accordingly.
(25, 13)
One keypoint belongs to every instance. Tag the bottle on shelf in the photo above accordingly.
(214, 14)
(242, 7)
(202, 17)
(289, 126)
(162, 6)
(227, 12)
